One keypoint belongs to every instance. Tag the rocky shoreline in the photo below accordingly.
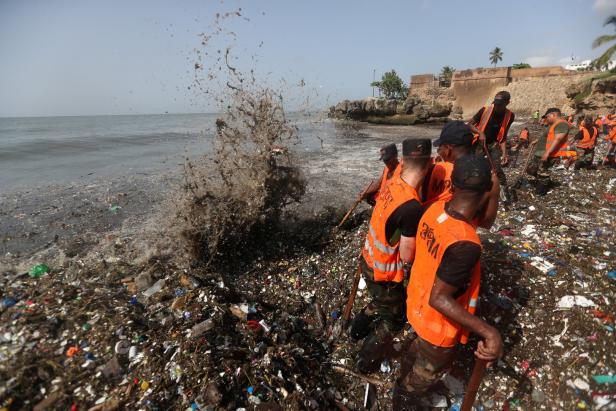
(411, 111)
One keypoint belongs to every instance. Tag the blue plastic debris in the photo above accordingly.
(8, 302)
(250, 390)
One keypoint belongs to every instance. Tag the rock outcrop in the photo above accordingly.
(388, 111)
(594, 96)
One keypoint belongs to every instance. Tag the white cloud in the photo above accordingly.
(604, 6)
(539, 61)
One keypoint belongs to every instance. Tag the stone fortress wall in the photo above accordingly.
(531, 88)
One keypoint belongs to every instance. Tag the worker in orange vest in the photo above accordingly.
(443, 290)
(523, 140)
(600, 124)
(550, 147)
(610, 158)
(454, 142)
(387, 256)
(586, 141)
(495, 120)
(389, 156)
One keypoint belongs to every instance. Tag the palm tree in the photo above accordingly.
(496, 55)
(604, 59)
(447, 72)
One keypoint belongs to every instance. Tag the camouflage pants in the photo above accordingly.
(424, 365)
(541, 171)
(388, 300)
(585, 157)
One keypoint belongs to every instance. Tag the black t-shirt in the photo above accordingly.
(403, 221)
(458, 262)
(493, 125)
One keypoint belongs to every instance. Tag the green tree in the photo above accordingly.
(496, 55)
(521, 65)
(447, 73)
(604, 59)
(391, 85)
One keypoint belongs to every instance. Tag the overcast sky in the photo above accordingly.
(80, 57)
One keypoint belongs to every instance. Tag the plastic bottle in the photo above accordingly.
(38, 270)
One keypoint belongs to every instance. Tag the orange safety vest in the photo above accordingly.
(385, 179)
(550, 139)
(436, 232)
(598, 122)
(588, 141)
(524, 135)
(612, 135)
(485, 118)
(383, 254)
(439, 185)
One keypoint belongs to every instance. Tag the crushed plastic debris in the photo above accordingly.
(570, 301)
(158, 335)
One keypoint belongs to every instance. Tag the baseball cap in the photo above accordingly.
(456, 133)
(502, 97)
(472, 172)
(388, 151)
(419, 147)
(551, 110)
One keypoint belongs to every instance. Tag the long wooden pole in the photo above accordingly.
(473, 384)
(487, 152)
(354, 205)
(349, 305)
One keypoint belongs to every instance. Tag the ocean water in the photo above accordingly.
(38, 151)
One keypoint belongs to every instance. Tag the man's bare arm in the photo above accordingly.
(487, 216)
(441, 299)
(372, 189)
(559, 139)
(407, 249)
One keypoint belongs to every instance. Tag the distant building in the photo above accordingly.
(585, 65)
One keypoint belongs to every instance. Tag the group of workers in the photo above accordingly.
(581, 149)
(421, 255)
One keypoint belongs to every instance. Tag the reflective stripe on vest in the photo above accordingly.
(382, 256)
(485, 119)
(550, 139)
(436, 232)
(589, 140)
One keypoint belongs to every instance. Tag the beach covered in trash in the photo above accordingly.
(107, 331)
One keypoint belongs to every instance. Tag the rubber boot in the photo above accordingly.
(403, 400)
(376, 348)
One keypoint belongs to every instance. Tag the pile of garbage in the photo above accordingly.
(106, 333)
